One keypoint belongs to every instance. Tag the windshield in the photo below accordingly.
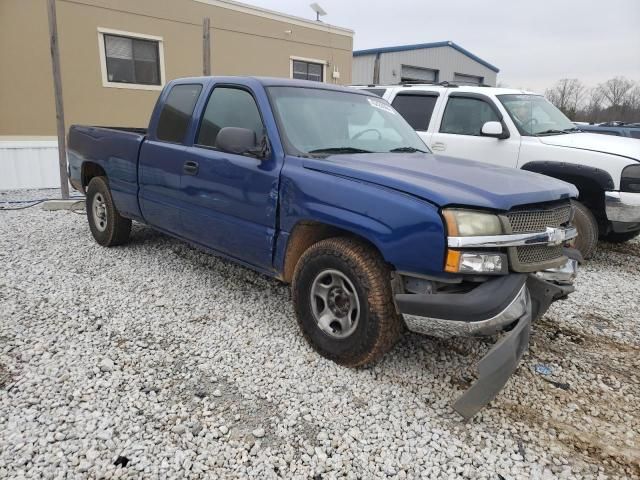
(317, 122)
(535, 116)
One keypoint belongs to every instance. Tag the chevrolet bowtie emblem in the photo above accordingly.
(555, 235)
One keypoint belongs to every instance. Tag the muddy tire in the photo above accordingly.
(342, 296)
(107, 226)
(615, 237)
(587, 227)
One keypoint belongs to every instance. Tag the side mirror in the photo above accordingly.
(239, 141)
(494, 129)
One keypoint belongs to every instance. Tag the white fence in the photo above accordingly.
(28, 164)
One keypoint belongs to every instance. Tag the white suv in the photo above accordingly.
(520, 129)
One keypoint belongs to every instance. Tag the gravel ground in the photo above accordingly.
(156, 360)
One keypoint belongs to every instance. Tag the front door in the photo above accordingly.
(459, 133)
(232, 199)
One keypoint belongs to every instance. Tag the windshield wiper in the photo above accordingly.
(406, 150)
(572, 129)
(339, 150)
(551, 131)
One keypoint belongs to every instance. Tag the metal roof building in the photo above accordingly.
(426, 62)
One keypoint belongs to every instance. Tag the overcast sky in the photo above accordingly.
(532, 43)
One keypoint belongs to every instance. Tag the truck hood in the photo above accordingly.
(596, 142)
(445, 180)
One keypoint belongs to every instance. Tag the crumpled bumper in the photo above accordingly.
(510, 302)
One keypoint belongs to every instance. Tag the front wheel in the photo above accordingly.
(343, 301)
(107, 226)
(587, 227)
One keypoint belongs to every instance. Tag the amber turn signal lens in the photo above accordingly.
(453, 261)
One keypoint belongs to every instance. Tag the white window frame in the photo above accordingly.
(103, 59)
(324, 64)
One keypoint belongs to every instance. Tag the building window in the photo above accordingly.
(130, 60)
(306, 69)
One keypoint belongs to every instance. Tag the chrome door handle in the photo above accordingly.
(438, 146)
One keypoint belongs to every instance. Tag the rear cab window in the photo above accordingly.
(177, 112)
(416, 108)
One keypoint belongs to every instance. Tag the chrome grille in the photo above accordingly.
(525, 221)
(537, 219)
(535, 254)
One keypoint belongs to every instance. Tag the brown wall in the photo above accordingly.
(242, 44)
(26, 86)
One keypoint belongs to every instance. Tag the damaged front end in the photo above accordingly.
(505, 304)
(503, 280)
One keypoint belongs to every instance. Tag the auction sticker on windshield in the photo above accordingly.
(382, 105)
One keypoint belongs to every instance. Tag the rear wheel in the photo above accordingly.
(622, 237)
(343, 301)
(107, 226)
(587, 227)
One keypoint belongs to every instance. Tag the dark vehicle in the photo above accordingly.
(330, 189)
(617, 129)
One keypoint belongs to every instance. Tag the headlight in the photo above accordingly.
(630, 181)
(467, 223)
(475, 262)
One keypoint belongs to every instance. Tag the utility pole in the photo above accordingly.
(206, 47)
(57, 90)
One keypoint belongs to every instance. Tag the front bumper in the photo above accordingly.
(511, 301)
(623, 209)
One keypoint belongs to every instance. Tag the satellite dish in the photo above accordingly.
(320, 12)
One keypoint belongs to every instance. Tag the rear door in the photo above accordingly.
(232, 199)
(161, 158)
(418, 108)
(457, 132)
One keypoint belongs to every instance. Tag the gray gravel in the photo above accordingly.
(156, 360)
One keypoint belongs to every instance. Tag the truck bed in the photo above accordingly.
(114, 150)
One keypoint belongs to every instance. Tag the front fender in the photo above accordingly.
(407, 231)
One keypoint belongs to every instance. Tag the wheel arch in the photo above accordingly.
(90, 170)
(306, 233)
(591, 182)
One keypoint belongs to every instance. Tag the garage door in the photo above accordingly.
(409, 73)
(463, 79)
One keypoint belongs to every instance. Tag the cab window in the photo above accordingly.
(466, 116)
(176, 113)
(229, 107)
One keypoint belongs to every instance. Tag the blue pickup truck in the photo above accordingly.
(330, 190)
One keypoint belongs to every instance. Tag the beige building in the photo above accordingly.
(116, 55)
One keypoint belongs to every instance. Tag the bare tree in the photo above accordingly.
(592, 111)
(615, 90)
(567, 95)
